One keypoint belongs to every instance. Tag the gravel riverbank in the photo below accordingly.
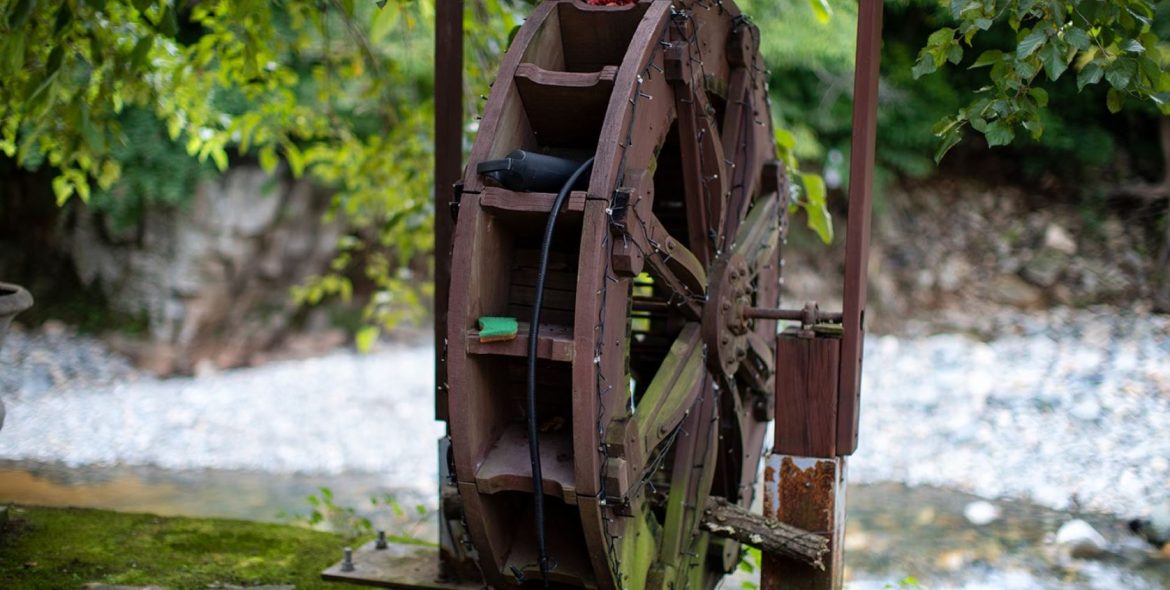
(1069, 409)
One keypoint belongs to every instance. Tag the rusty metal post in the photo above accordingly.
(448, 168)
(819, 375)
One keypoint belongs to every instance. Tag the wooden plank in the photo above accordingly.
(448, 162)
(401, 566)
(546, 94)
(555, 343)
(508, 467)
(542, 77)
(553, 298)
(504, 126)
(597, 36)
(500, 200)
(865, 95)
(806, 395)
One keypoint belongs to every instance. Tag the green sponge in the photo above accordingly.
(497, 329)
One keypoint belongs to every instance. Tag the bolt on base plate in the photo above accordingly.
(406, 567)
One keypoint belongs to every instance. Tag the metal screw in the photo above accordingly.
(381, 542)
(347, 560)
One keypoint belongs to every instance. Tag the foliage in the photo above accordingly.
(155, 171)
(336, 90)
(750, 561)
(402, 525)
(139, 549)
(1111, 41)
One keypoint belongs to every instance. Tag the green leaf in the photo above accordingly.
(1040, 95)
(987, 58)
(1121, 73)
(140, 52)
(1078, 38)
(1133, 46)
(816, 207)
(949, 140)
(821, 10)
(1090, 74)
(1055, 60)
(296, 160)
(13, 58)
(20, 13)
(999, 132)
(268, 160)
(64, 18)
(365, 338)
(1032, 42)
(169, 24)
(924, 66)
(1114, 100)
(1027, 68)
(219, 156)
(1150, 69)
(785, 139)
(941, 37)
(955, 53)
(56, 56)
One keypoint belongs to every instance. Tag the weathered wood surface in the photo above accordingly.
(806, 395)
(724, 519)
(808, 493)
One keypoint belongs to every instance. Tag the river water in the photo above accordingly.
(1058, 415)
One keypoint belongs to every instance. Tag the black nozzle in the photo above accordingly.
(524, 171)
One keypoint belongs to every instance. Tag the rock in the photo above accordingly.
(954, 273)
(1155, 529)
(980, 513)
(1012, 290)
(1044, 269)
(213, 277)
(1086, 410)
(1057, 238)
(1080, 540)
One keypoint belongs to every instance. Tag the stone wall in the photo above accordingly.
(213, 276)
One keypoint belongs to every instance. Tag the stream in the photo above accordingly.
(1059, 415)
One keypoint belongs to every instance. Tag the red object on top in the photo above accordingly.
(609, 2)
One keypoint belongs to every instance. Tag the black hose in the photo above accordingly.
(533, 334)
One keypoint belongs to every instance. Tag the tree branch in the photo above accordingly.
(724, 519)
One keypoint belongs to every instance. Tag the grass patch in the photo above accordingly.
(64, 548)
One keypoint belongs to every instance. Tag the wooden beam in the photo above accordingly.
(865, 96)
(448, 167)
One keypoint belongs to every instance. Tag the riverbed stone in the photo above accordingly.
(1080, 540)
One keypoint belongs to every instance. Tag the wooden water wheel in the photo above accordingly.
(653, 388)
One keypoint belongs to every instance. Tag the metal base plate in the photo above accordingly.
(407, 567)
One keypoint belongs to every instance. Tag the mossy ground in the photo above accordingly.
(65, 548)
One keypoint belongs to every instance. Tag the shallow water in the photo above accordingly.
(894, 531)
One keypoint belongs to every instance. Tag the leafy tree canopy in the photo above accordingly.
(1113, 42)
(337, 90)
